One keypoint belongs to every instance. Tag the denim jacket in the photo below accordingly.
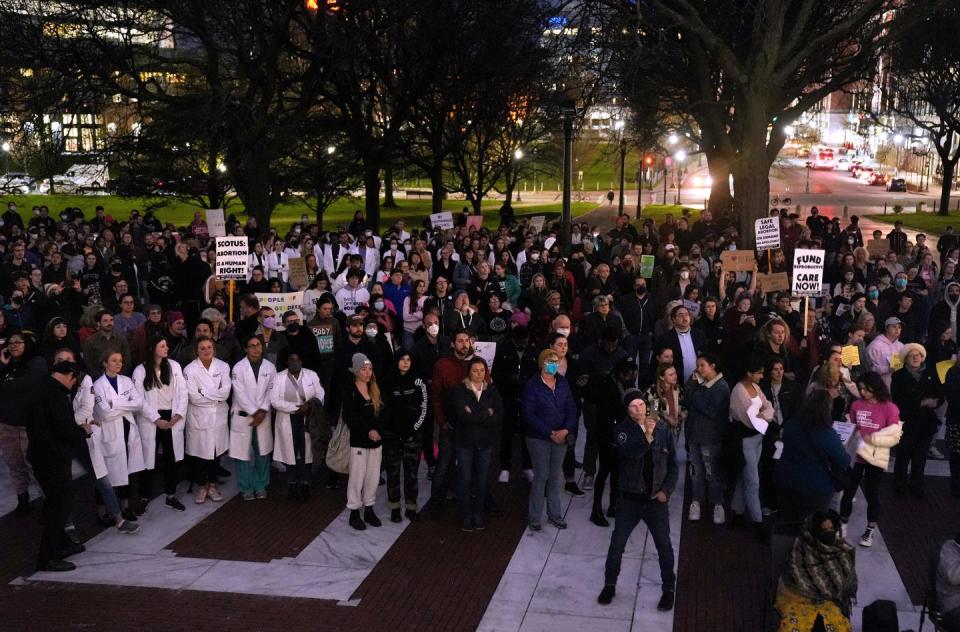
(632, 446)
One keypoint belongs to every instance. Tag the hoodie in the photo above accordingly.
(946, 310)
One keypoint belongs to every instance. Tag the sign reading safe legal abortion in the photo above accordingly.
(232, 255)
(768, 233)
(808, 272)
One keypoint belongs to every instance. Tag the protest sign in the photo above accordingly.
(768, 233)
(537, 222)
(646, 266)
(474, 222)
(298, 272)
(487, 351)
(738, 260)
(441, 221)
(878, 247)
(216, 225)
(693, 307)
(773, 282)
(808, 272)
(942, 368)
(232, 256)
(281, 303)
(850, 356)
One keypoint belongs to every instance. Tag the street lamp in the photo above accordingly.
(331, 150)
(6, 156)
(618, 126)
(518, 156)
(679, 159)
(673, 139)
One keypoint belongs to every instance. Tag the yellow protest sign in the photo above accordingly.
(942, 368)
(850, 356)
(896, 362)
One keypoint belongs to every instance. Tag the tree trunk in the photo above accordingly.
(751, 181)
(320, 213)
(949, 168)
(371, 185)
(257, 203)
(388, 201)
(721, 200)
(439, 189)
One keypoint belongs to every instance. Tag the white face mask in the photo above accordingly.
(564, 331)
(371, 332)
(378, 305)
(433, 330)
(685, 275)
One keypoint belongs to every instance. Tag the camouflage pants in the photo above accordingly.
(397, 452)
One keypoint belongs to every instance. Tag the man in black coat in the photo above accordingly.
(55, 439)
(687, 343)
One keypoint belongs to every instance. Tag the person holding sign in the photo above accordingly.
(750, 412)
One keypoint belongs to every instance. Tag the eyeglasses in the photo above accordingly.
(16, 342)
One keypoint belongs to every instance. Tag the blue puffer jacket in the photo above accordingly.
(545, 410)
(802, 468)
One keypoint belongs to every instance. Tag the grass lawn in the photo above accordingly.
(341, 212)
(658, 212)
(926, 222)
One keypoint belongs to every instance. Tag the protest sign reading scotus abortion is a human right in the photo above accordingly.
(808, 272)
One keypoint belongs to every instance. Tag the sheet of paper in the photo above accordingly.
(753, 414)
(850, 355)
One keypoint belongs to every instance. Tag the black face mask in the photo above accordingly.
(641, 290)
(826, 537)
(293, 328)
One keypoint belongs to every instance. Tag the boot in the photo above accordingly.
(411, 514)
(304, 492)
(596, 517)
(395, 515)
(356, 521)
(371, 518)
(612, 510)
(23, 504)
(292, 494)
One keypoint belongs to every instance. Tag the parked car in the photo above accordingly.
(854, 163)
(857, 169)
(877, 179)
(17, 183)
(864, 174)
(897, 185)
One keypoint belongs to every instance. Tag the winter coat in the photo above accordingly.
(545, 410)
(632, 447)
(907, 393)
(476, 422)
(407, 405)
(875, 449)
(361, 417)
(708, 408)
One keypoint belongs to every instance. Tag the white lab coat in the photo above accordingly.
(371, 260)
(330, 263)
(83, 413)
(250, 395)
(255, 260)
(149, 413)
(278, 266)
(207, 432)
(283, 429)
(110, 407)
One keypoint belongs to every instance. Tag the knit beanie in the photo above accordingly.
(631, 395)
(358, 362)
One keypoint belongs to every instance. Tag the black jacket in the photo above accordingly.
(476, 424)
(361, 417)
(632, 446)
(17, 382)
(51, 427)
(788, 399)
(671, 339)
(907, 392)
(406, 405)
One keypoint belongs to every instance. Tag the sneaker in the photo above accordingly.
(573, 489)
(411, 514)
(213, 492)
(528, 474)
(693, 514)
(535, 526)
(719, 516)
(479, 524)
(200, 496)
(666, 601)
(504, 476)
(174, 503)
(128, 528)
(356, 521)
(248, 496)
(557, 522)
(607, 594)
(587, 482)
(260, 495)
(467, 526)
(867, 538)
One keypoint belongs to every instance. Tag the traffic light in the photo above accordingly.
(648, 160)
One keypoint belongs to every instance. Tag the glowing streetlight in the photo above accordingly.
(518, 154)
(222, 168)
(789, 130)
(673, 139)
(331, 150)
(680, 156)
(5, 147)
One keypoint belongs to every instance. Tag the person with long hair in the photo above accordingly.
(56, 336)
(665, 399)
(477, 412)
(160, 420)
(363, 412)
(296, 391)
(833, 377)
(413, 312)
(116, 403)
(407, 398)
(878, 423)
(707, 396)
(812, 450)
(751, 413)
(207, 431)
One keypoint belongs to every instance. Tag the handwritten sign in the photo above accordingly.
(773, 282)
(282, 303)
(298, 272)
(537, 222)
(647, 263)
(896, 362)
(474, 222)
(850, 356)
(738, 260)
(232, 256)
(441, 221)
(808, 272)
(768, 233)
(216, 225)
(878, 247)
(487, 351)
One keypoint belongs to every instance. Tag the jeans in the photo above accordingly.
(871, 476)
(473, 465)
(631, 509)
(13, 447)
(103, 489)
(547, 459)
(912, 453)
(746, 492)
(445, 467)
(253, 475)
(705, 472)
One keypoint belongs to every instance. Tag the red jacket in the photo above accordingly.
(448, 373)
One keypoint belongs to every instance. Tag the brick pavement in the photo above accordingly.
(434, 577)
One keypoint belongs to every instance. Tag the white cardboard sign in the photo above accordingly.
(768, 233)
(441, 221)
(216, 225)
(232, 256)
(808, 272)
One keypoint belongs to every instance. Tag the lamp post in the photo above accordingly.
(807, 187)
(5, 148)
(619, 125)
(518, 155)
(679, 159)
(568, 111)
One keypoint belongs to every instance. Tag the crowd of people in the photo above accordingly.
(120, 350)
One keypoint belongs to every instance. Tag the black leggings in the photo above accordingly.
(609, 465)
(205, 471)
(297, 472)
(164, 460)
(871, 475)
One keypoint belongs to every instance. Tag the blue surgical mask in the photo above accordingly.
(551, 368)
(901, 283)
(873, 295)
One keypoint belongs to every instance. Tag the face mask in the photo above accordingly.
(433, 330)
(564, 331)
(685, 275)
(293, 328)
(873, 295)
(641, 290)
(294, 366)
(378, 305)
(36, 213)
(550, 368)
(901, 283)
(270, 322)
(535, 257)
(371, 332)
(826, 537)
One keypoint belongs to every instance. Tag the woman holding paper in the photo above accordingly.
(750, 412)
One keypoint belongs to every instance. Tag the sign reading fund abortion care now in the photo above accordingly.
(808, 272)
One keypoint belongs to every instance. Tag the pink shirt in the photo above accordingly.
(872, 416)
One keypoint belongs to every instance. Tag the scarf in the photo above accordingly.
(824, 572)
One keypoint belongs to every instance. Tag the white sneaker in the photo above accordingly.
(843, 530)
(213, 493)
(693, 514)
(587, 483)
(719, 517)
(867, 538)
(200, 496)
(504, 476)
(528, 474)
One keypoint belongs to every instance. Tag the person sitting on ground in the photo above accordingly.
(948, 584)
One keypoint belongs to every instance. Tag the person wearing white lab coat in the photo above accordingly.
(251, 431)
(207, 431)
(278, 265)
(115, 404)
(108, 506)
(293, 390)
(161, 419)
